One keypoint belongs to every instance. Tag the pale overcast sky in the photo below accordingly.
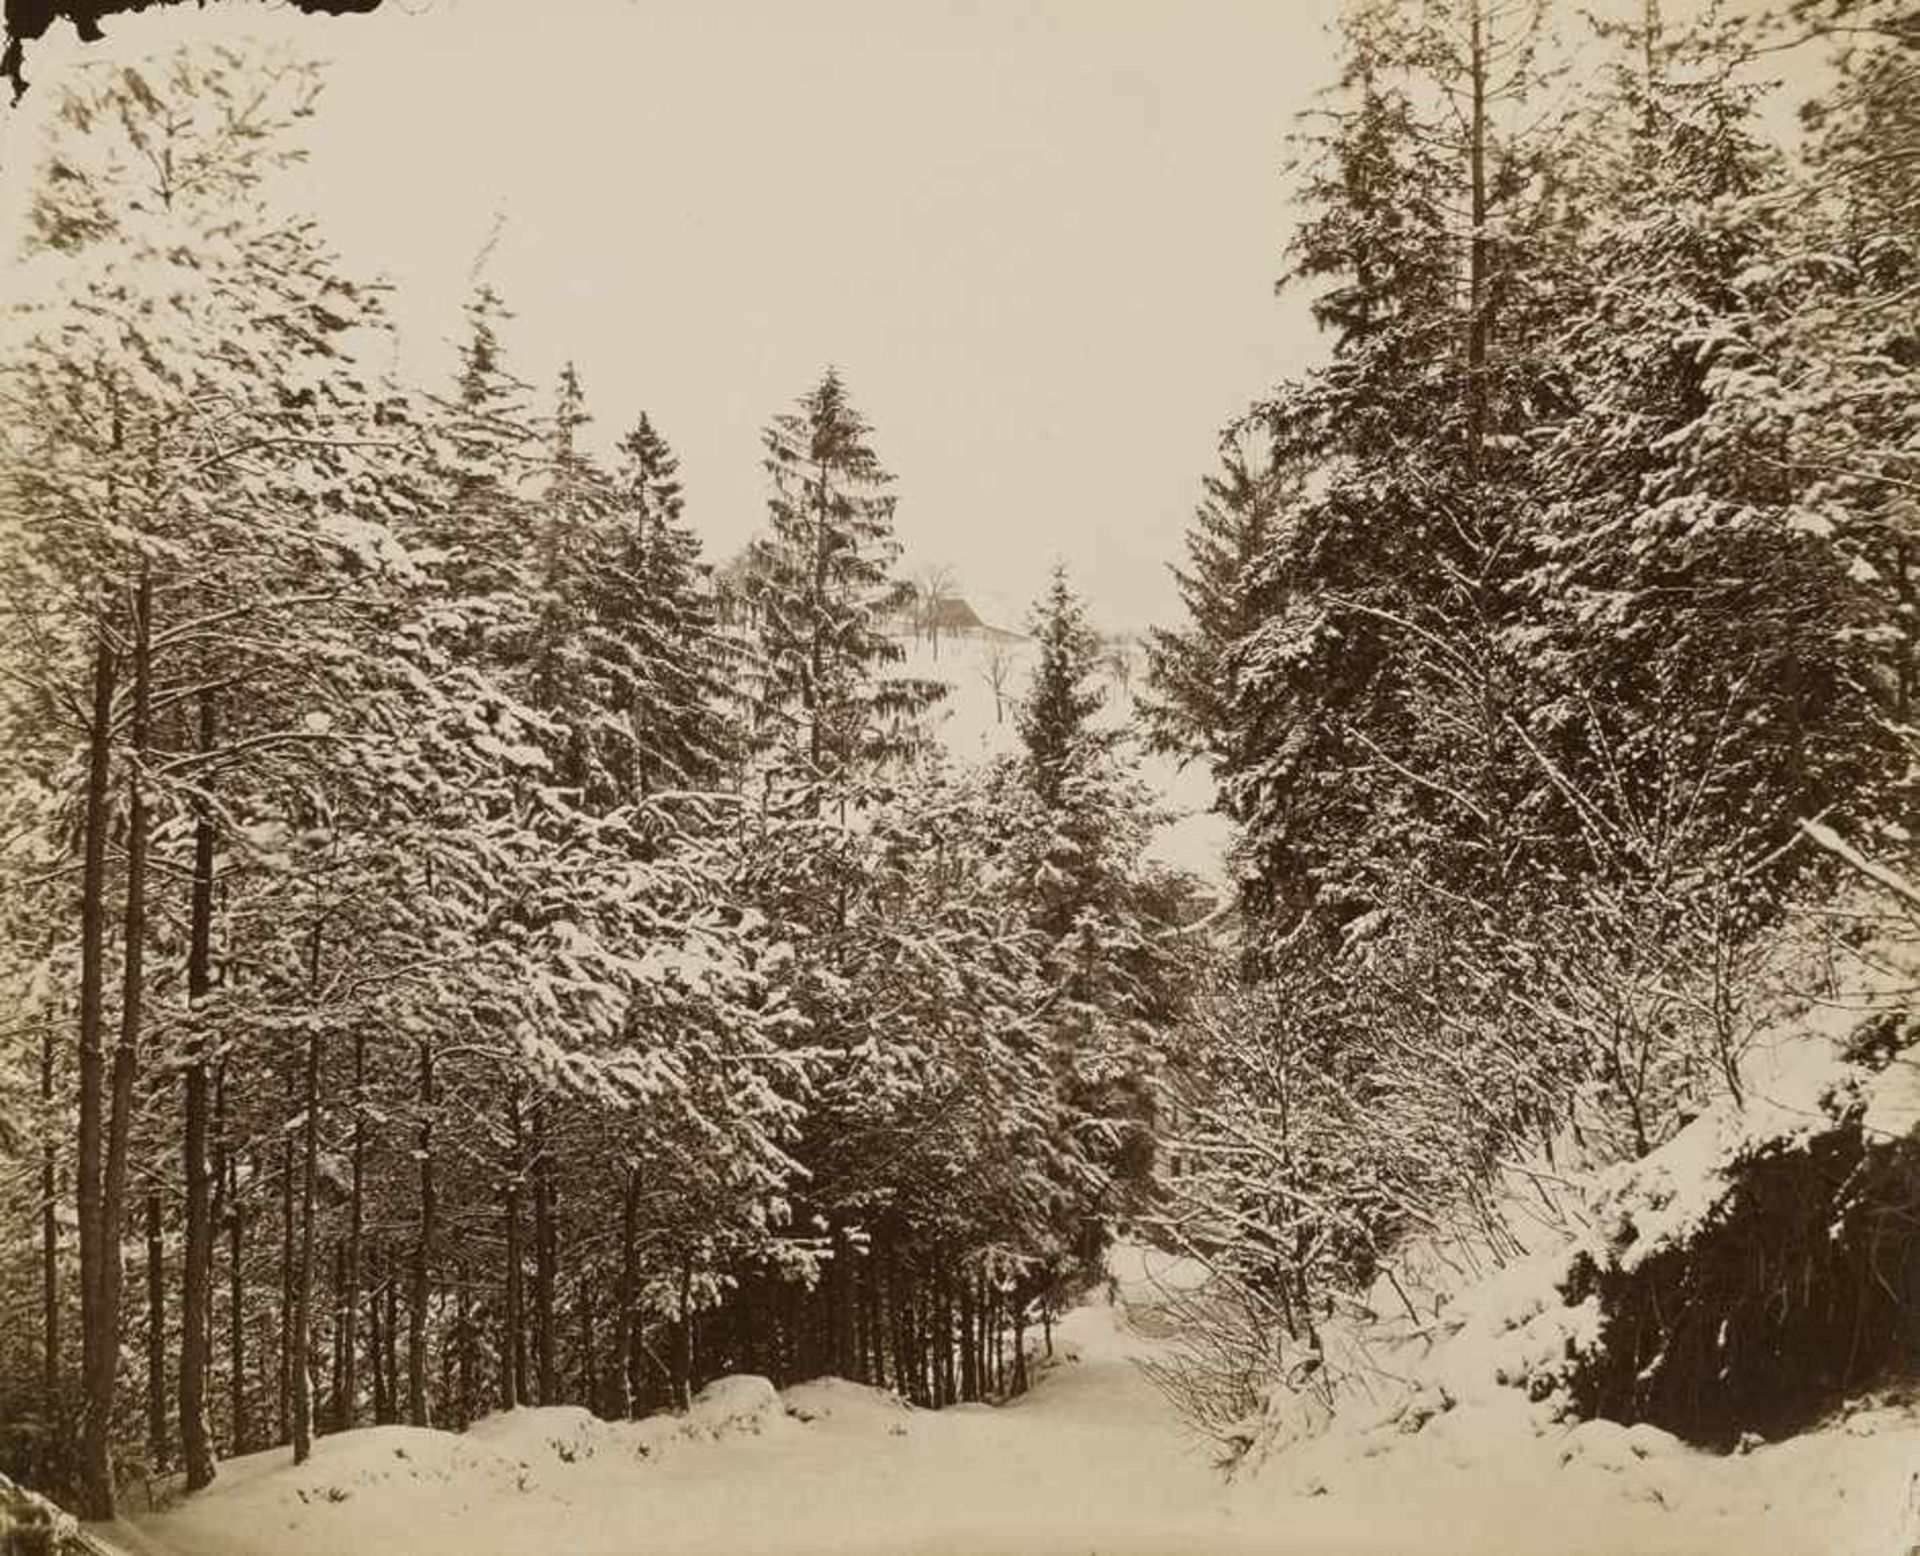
(1038, 239)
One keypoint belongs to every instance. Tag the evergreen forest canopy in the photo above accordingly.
(465, 951)
(1546, 643)
(479, 959)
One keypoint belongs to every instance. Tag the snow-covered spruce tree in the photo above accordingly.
(678, 687)
(821, 582)
(1431, 245)
(1078, 821)
(471, 523)
(1695, 612)
(1387, 811)
(952, 1162)
(1203, 703)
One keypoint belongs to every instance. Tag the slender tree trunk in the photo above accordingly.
(638, 1390)
(876, 1320)
(383, 1411)
(513, 1349)
(997, 1363)
(347, 1410)
(390, 1332)
(237, 1326)
(417, 1413)
(683, 1361)
(303, 1291)
(337, 1412)
(449, 1368)
(588, 1357)
(857, 1317)
(196, 1296)
(620, 1394)
(50, 1399)
(96, 1471)
(284, 1382)
(544, 1261)
(949, 1371)
(156, 1337)
(469, 1362)
(969, 1353)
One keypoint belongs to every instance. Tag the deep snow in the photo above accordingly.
(1093, 1460)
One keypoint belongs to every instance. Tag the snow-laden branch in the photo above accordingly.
(1823, 836)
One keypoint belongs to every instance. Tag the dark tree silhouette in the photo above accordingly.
(28, 21)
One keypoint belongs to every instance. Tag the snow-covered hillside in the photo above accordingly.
(974, 723)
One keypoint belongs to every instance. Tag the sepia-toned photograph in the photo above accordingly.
(959, 778)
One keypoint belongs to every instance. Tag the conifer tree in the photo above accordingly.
(822, 583)
(678, 691)
(1204, 702)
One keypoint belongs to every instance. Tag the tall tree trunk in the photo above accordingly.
(96, 1473)
(50, 1401)
(513, 1349)
(417, 1413)
(997, 1366)
(196, 1297)
(876, 1319)
(284, 1380)
(588, 1377)
(620, 1392)
(96, 1470)
(544, 1260)
(390, 1332)
(303, 1290)
(469, 1361)
(346, 1412)
(683, 1354)
(969, 1352)
(237, 1325)
(383, 1411)
(156, 1337)
(337, 1382)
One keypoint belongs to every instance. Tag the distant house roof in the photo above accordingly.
(953, 614)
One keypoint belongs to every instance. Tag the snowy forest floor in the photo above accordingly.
(1092, 1460)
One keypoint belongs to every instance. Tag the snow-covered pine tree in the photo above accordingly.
(1202, 702)
(679, 688)
(821, 583)
(1078, 821)
(1708, 658)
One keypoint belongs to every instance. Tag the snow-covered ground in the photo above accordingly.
(1093, 1460)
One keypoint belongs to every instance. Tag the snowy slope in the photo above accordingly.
(1439, 1416)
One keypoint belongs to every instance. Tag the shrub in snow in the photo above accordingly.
(1766, 1263)
(740, 1403)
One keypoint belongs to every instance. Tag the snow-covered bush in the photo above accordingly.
(1766, 1263)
